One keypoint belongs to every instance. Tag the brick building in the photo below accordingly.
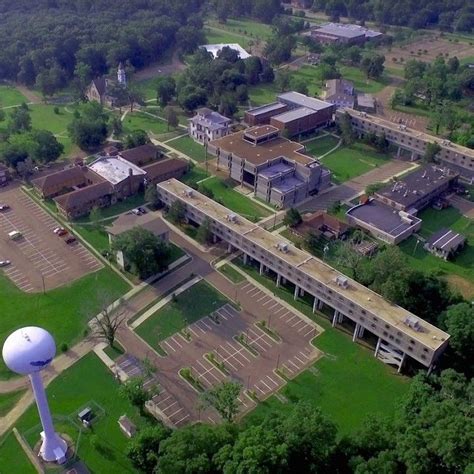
(347, 34)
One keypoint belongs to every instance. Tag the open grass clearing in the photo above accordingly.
(10, 95)
(190, 148)
(262, 94)
(321, 145)
(115, 351)
(347, 162)
(361, 83)
(143, 121)
(223, 192)
(102, 448)
(216, 35)
(244, 27)
(349, 384)
(193, 304)
(63, 311)
(9, 400)
(231, 273)
(194, 175)
(13, 456)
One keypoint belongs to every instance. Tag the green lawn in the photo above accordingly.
(349, 384)
(13, 457)
(311, 77)
(320, 146)
(63, 311)
(351, 161)
(433, 220)
(97, 237)
(263, 94)
(10, 96)
(234, 200)
(216, 36)
(148, 87)
(196, 302)
(98, 389)
(142, 121)
(115, 351)
(361, 83)
(190, 148)
(231, 273)
(9, 400)
(194, 175)
(245, 27)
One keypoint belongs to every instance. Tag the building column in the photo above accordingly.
(398, 152)
(361, 331)
(356, 332)
(262, 268)
(301, 292)
(377, 347)
(315, 304)
(430, 369)
(245, 258)
(214, 238)
(283, 280)
(401, 363)
(229, 248)
(320, 304)
(278, 280)
(297, 291)
(340, 317)
(334, 319)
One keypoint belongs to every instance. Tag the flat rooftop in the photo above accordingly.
(412, 187)
(366, 100)
(268, 151)
(446, 239)
(115, 169)
(410, 132)
(260, 131)
(263, 109)
(346, 30)
(431, 336)
(287, 184)
(304, 101)
(214, 49)
(382, 217)
(275, 170)
(295, 114)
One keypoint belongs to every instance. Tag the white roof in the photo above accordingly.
(215, 48)
(114, 168)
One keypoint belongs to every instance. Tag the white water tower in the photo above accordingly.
(27, 351)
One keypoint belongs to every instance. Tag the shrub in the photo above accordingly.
(63, 347)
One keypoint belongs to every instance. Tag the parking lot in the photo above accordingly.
(248, 354)
(40, 260)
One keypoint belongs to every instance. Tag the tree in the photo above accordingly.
(459, 323)
(136, 138)
(204, 233)
(177, 212)
(371, 189)
(349, 258)
(224, 398)
(152, 196)
(144, 447)
(89, 129)
(188, 38)
(106, 324)
(134, 391)
(171, 117)
(166, 90)
(145, 252)
(347, 133)
(373, 65)
(117, 126)
(432, 149)
(46, 146)
(292, 217)
(282, 80)
(20, 120)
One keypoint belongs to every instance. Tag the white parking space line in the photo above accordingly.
(299, 360)
(299, 322)
(175, 413)
(182, 419)
(171, 347)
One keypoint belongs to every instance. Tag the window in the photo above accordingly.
(387, 326)
(373, 325)
(410, 348)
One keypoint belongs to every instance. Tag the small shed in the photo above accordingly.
(445, 243)
(127, 426)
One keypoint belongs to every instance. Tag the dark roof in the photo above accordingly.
(140, 154)
(3, 167)
(321, 218)
(338, 86)
(412, 187)
(85, 195)
(264, 109)
(128, 221)
(165, 166)
(446, 240)
(50, 182)
(100, 84)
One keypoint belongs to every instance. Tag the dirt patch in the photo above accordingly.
(460, 284)
(30, 95)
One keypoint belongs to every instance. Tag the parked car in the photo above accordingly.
(4, 207)
(142, 210)
(60, 231)
(4, 263)
(70, 239)
(137, 211)
(15, 234)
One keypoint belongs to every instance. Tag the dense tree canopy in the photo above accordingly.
(48, 42)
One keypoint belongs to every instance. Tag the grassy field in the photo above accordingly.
(311, 77)
(361, 83)
(196, 302)
(10, 96)
(115, 351)
(63, 311)
(194, 175)
(217, 35)
(351, 161)
(142, 121)
(234, 200)
(462, 265)
(12, 456)
(9, 400)
(101, 448)
(348, 384)
(190, 148)
(245, 27)
(263, 94)
(321, 145)
(231, 273)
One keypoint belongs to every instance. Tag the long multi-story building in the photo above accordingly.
(457, 157)
(275, 168)
(400, 333)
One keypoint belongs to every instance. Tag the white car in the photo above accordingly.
(4, 263)
(4, 207)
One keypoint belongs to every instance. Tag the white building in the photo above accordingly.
(215, 49)
(208, 125)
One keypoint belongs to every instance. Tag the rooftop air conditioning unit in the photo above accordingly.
(232, 217)
(188, 193)
(283, 247)
(342, 281)
(413, 323)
